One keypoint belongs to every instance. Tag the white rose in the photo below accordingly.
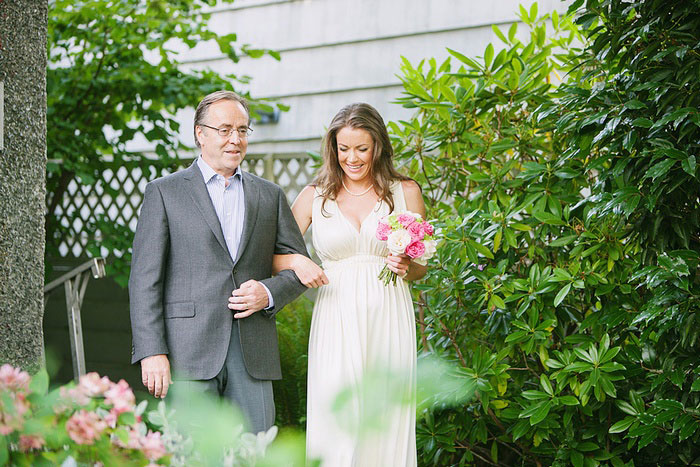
(430, 249)
(398, 241)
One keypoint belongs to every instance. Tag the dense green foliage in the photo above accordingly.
(566, 290)
(115, 82)
(293, 327)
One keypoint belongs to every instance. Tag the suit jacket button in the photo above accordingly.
(235, 271)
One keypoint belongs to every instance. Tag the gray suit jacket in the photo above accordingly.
(182, 276)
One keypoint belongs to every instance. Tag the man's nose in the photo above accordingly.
(234, 137)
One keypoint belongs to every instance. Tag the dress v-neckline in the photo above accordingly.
(356, 230)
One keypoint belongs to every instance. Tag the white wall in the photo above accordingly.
(335, 52)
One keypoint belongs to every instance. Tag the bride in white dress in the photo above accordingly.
(362, 332)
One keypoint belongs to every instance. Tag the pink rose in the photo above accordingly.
(405, 219)
(85, 427)
(427, 228)
(383, 231)
(29, 442)
(415, 249)
(121, 397)
(13, 378)
(416, 231)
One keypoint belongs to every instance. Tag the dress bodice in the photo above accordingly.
(335, 238)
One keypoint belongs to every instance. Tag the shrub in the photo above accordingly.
(550, 294)
(94, 421)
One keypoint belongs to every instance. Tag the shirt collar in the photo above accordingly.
(208, 173)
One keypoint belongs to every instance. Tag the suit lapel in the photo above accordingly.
(200, 196)
(251, 194)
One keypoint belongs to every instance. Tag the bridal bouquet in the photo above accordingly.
(406, 233)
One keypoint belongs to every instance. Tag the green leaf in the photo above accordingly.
(4, 454)
(533, 395)
(563, 241)
(689, 165)
(464, 59)
(512, 31)
(688, 428)
(541, 413)
(634, 104)
(481, 249)
(548, 218)
(488, 55)
(659, 169)
(622, 425)
(546, 384)
(40, 382)
(498, 32)
(569, 400)
(576, 458)
(642, 122)
(626, 407)
(696, 385)
(561, 295)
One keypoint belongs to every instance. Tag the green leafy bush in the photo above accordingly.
(293, 327)
(551, 294)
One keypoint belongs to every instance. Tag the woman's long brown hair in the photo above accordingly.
(330, 178)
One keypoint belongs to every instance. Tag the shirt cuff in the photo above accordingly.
(270, 300)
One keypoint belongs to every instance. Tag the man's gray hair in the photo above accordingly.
(201, 113)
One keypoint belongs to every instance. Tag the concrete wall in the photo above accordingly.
(22, 179)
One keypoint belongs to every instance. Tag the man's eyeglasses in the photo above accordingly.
(225, 131)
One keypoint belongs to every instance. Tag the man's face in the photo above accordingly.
(223, 154)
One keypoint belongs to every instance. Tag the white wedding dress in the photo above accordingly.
(362, 345)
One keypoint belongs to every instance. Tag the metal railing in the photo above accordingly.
(75, 283)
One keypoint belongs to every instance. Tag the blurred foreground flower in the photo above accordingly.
(95, 422)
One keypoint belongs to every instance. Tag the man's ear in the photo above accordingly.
(200, 135)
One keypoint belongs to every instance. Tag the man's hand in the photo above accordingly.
(155, 375)
(250, 297)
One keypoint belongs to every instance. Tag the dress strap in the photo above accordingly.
(399, 198)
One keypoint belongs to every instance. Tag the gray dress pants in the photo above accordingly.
(234, 384)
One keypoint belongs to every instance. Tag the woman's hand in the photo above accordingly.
(405, 268)
(398, 264)
(309, 273)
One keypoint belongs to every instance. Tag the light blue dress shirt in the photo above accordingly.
(227, 196)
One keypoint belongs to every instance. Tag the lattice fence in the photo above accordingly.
(119, 193)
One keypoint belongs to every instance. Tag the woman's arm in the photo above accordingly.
(402, 264)
(308, 272)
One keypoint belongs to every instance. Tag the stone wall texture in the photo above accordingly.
(23, 27)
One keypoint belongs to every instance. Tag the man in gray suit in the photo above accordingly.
(201, 296)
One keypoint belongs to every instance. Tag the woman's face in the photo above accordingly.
(355, 150)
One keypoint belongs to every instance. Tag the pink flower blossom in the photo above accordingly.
(427, 228)
(111, 418)
(134, 441)
(405, 219)
(120, 396)
(416, 231)
(152, 446)
(13, 378)
(85, 427)
(29, 442)
(72, 396)
(11, 418)
(383, 231)
(92, 385)
(415, 249)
